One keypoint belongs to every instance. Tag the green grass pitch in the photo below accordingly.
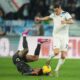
(69, 71)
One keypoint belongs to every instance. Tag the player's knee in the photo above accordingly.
(63, 55)
(23, 53)
(26, 50)
(56, 51)
(36, 58)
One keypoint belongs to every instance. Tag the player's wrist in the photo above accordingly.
(41, 19)
(66, 22)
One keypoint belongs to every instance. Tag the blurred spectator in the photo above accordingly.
(71, 7)
(38, 6)
(77, 13)
(57, 1)
(38, 29)
(44, 7)
(71, 4)
(1, 15)
(23, 12)
(2, 33)
(10, 16)
(1, 22)
(17, 27)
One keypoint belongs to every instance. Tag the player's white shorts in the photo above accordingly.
(60, 42)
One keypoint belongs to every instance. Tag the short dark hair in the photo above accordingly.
(57, 5)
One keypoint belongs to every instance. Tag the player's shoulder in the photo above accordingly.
(51, 15)
(65, 13)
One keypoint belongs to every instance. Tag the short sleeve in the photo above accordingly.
(51, 16)
(68, 16)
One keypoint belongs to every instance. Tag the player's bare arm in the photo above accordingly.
(42, 19)
(69, 21)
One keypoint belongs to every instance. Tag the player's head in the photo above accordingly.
(57, 9)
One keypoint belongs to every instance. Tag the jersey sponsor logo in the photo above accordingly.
(17, 59)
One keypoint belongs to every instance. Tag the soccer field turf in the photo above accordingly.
(69, 71)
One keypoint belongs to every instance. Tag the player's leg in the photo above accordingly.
(64, 49)
(61, 60)
(25, 47)
(37, 50)
(35, 57)
(24, 44)
(56, 46)
(56, 50)
(60, 63)
(37, 71)
(31, 58)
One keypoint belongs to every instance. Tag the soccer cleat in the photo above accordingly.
(40, 40)
(25, 33)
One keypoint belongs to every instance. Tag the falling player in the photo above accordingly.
(20, 58)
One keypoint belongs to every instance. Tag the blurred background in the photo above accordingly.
(17, 16)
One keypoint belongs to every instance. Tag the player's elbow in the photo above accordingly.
(71, 21)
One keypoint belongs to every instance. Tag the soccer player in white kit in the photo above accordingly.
(61, 20)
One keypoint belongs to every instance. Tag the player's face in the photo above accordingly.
(57, 11)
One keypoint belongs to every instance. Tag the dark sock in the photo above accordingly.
(25, 44)
(37, 51)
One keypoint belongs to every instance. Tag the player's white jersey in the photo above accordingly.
(58, 29)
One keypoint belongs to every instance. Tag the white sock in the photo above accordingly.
(51, 56)
(60, 62)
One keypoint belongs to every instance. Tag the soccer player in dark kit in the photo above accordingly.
(20, 58)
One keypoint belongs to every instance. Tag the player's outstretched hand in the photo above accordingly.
(37, 19)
